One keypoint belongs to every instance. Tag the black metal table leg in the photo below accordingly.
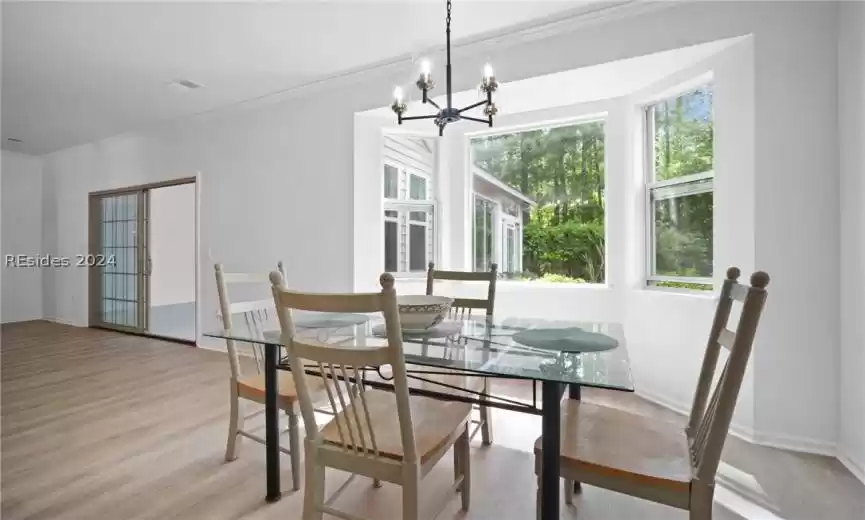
(574, 393)
(271, 422)
(551, 397)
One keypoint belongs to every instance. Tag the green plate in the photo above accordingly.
(570, 339)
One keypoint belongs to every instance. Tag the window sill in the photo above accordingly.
(681, 291)
(553, 285)
(409, 277)
(515, 284)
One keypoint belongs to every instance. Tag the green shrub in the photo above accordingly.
(572, 250)
(560, 278)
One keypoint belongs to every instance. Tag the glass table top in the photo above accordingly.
(495, 347)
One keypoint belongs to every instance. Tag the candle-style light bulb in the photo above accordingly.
(425, 68)
(397, 94)
(488, 71)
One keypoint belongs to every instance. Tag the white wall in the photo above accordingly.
(851, 114)
(668, 331)
(277, 181)
(21, 192)
(172, 245)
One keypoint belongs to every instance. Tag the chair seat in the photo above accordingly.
(252, 388)
(435, 424)
(614, 444)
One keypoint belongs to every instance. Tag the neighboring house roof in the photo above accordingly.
(489, 178)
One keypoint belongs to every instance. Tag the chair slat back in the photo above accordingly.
(709, 421)
(253, 313)
(462, 307)
(338, 367)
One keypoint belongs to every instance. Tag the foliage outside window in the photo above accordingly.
(559, 234)
(409, 218)
(680, 185)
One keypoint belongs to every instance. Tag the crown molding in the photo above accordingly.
(497, 40)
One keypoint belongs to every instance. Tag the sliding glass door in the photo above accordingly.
(119, 262)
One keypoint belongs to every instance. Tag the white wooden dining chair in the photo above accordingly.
(251, 388)
(462, 308)
(657, 460)
(385, 436)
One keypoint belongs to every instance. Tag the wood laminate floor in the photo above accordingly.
(99, 425)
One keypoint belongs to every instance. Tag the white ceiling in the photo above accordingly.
(77, 72)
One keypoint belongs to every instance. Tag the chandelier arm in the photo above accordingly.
(409, 118)
(484, 121)
(475, 105)
(433, 103)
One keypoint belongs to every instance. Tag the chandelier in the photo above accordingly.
(448, 114)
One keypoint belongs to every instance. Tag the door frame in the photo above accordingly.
(93, 242)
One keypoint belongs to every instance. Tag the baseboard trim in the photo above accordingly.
(742, 432)
(855, 467)
(798, 444)
(61, 321)
(789, 443)
(223, 350)
(771, 440)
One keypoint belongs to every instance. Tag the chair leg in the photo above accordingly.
(463, 446)
(701, 502)
(235, 423)
(569, 492)
(313, 495)
(458, 468)
(538, 499)
(410, 491)
(486, 418)
(294, 449)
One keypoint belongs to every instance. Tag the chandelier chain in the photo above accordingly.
(448, 19)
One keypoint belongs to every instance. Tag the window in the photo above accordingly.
(417, 187)
(483, 233)
(539, 203)
(391, 182)
(409, 215)
(680, 186)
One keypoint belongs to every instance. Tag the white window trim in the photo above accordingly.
(652, 185)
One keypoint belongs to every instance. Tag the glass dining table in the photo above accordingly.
(560, 355)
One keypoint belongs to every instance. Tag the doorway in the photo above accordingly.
(143, 247)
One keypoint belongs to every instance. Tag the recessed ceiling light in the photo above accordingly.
(14, 140)
(184, 84)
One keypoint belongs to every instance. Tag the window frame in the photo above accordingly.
(404, 207)
(707, 178)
